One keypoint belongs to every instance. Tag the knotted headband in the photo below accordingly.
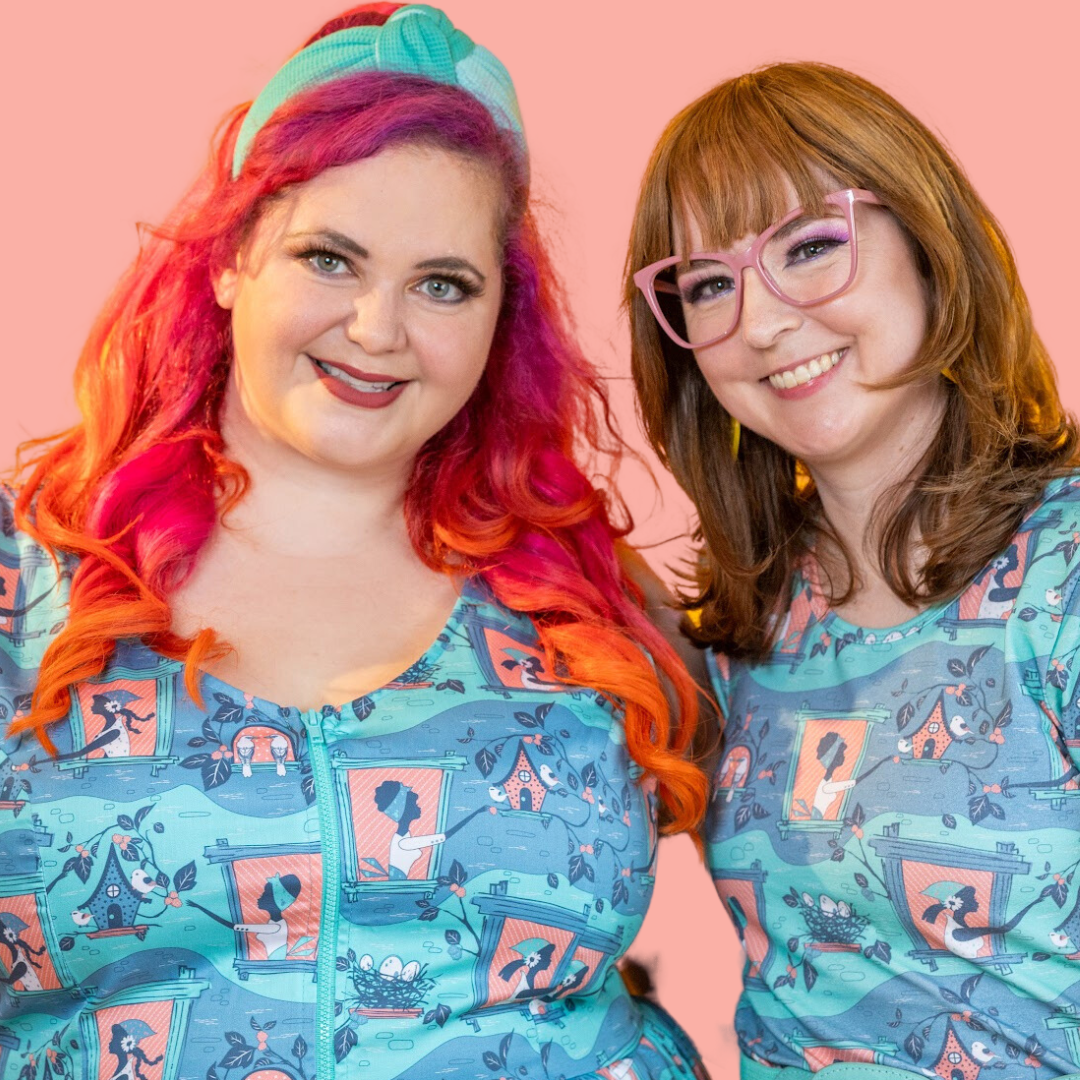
(416, 40)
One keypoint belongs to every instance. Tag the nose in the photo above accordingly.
(376, 322)
(764, 316)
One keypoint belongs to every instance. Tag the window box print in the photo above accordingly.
(22, 589)
(742, 892)
(819, 1053)
(398, 815)
(274, 894)
(988, 600)
(952, 900)
(509, 665)
(806, 611)
(532, 950)
(125, 718)
(31, 960)
(139, 1033)
(829, 749)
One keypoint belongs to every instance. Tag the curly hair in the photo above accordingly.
(137, 487)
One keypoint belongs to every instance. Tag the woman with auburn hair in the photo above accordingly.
(835, 358)
(318, 578)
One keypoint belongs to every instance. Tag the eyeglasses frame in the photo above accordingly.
(645, 278)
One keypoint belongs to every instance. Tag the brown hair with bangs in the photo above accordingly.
(726, 161)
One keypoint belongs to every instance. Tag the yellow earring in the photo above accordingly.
(949, 375)
(736, 437)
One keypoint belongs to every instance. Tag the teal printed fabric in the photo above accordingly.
(432, 880)
(894, 825)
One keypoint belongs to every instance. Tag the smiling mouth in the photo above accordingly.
(365, 386)
(801, 375)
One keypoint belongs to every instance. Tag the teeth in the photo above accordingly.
(785, 380)
(356, 384)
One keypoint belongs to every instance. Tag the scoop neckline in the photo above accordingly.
(470, 592)
(809, 573)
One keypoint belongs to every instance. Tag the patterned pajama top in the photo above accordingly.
(432, 880)
(895, 825)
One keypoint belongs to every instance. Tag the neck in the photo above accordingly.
(852, 490)
(295, 506)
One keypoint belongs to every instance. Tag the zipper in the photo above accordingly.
(330, 847)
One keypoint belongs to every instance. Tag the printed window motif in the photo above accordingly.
(734, 772)
(819, 1053)
(262, 747)
(807, 610)
(396, 815)
(742, 892)
(533, 952)
(950, 899)
(25, 582)
(988, 600)
(31, 960)
(140, 1033)
(509, 665)
(274, 893)
(1061, 763)
(1066, 1018)
(828, 753)
(128, 716)
(9, 1042)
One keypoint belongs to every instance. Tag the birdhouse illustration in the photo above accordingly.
(742, 892)
(532, 950)
(829, 749)
(523, 786)
(952, 900)
(953, 1061)
(511, 663)
(398, 811)
(142, 1030)
(116, 899)
(989, 599)
(126, 716)
(935, 734)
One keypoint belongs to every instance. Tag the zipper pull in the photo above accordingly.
(313, 726)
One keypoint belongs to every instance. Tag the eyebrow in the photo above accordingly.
(340, 239)
(450, 262)
(444, 262)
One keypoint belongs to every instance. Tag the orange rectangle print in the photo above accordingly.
(133, 1039)
(828, 755)
(24, 953)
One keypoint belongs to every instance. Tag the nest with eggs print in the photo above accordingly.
(833, 925)
(391, 987)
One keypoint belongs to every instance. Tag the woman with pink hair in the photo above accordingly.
(321, 513)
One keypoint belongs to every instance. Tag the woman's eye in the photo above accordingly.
(326, 262)
(813, 249)
(445, 290)
(706, 289)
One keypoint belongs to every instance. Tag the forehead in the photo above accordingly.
(717, 208)
(404, 200)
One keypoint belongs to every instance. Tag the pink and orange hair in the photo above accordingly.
(136, 489)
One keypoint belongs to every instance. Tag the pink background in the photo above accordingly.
(110, 106)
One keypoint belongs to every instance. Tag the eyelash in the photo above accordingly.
(464, 284)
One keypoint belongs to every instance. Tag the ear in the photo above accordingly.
(225, 285)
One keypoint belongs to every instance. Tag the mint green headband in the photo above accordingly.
(416, 40)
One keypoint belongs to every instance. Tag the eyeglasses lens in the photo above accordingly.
(807, 260)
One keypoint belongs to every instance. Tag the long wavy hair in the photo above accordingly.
(726, 161)
(135, 490)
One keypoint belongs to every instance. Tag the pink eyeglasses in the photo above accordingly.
(697, 298)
